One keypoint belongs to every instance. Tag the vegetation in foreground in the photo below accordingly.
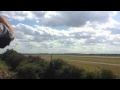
(22, 67)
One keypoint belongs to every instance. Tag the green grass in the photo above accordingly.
(93, 67)
(113, 60)
(88, 66)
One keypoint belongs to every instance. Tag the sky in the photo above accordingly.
(87, 32)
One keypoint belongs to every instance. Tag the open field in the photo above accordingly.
(93, 67)
(90, 63)
(103, 59)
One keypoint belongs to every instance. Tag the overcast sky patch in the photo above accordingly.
(64, 31)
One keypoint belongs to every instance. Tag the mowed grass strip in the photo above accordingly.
(94, 67)
(112, 60)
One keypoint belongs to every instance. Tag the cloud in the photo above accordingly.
(23, 15)
(86, 32)
(114, 30)
(26, 29)
(19, 35)
(77, 18)
(71, 37)
(61, 18)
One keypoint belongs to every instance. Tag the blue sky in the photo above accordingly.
(64, 31)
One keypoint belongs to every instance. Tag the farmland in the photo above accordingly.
(90, 63)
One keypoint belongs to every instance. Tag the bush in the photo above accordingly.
(101, 74)
(29, 71)
(12, 58)
(90, 75)
(4, 70)
(38, 60)
(53, 68)
(107, 74)
(59, 69)
(37, 68)
(71, 72)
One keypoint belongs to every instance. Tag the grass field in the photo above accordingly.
(71, 59)
(105, 59)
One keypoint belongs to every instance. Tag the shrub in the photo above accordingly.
(90, 75)
(71, 72)
(107, 74)
(59, 69)
(12, 58)
(29, 71)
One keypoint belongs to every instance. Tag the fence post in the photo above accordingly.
(51, 57)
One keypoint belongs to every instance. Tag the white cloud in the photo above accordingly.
(78, 18)
(23, 15)
(88, 32)
(49, 38)
(37, 21)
